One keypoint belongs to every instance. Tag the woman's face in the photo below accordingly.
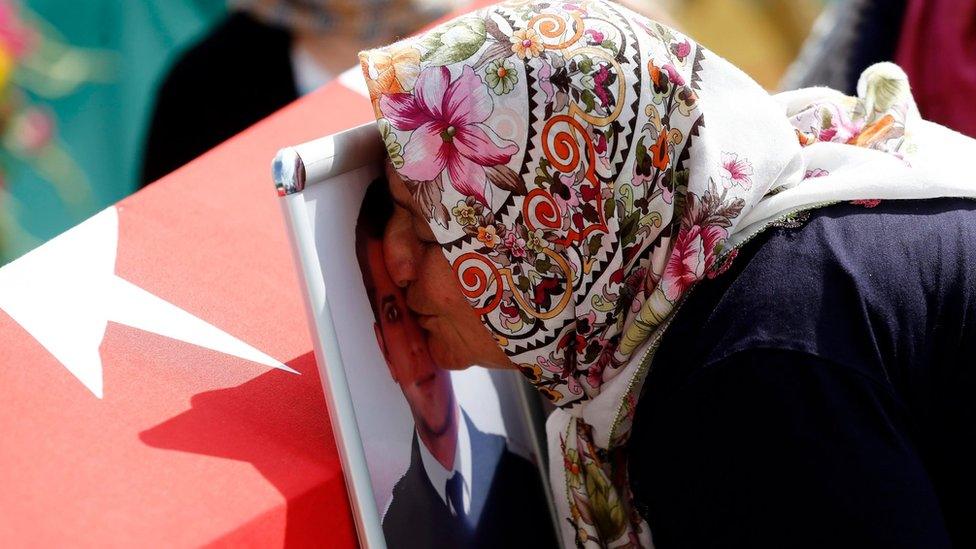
(456, 336)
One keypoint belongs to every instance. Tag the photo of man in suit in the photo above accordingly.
(463, 487)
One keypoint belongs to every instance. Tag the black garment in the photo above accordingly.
(861, 33)
(875, 38)
(510, 517)
(238, 75)
(822, 393)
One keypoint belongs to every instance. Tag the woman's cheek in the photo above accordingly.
(442, 288)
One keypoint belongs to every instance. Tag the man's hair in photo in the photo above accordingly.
(375, 212)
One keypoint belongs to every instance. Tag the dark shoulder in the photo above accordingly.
(237, 75)
(511, 473)
(405, 490)
(401, 515)
(515, 485)
(239, 56)
(823, 351)
(237, 41)
(856, 286)
(519, 471)
(767, 443)
(492, 444)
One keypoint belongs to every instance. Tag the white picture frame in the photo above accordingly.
(321, 185)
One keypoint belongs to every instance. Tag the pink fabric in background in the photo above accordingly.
(938, 51)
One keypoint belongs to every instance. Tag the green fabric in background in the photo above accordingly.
(101, 125)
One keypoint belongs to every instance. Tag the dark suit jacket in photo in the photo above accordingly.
(513, 512)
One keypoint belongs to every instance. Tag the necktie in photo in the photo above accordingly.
(454, 496)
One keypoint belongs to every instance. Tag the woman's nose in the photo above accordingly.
(400, 249)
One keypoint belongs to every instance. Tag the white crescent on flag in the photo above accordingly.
(65, 292)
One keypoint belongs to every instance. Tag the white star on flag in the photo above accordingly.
(65, 292)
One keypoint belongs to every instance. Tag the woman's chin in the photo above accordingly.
(444, 357)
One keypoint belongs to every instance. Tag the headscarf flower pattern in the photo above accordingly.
(445, 119)
(549, 170)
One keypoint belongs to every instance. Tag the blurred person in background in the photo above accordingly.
(848, 37)
(933, 40)
(265, 55)
(937, 49)
(762, 37)
(76, 83)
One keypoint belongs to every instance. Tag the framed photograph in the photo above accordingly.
(431, 457)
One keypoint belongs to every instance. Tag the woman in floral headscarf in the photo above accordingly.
(583, 169)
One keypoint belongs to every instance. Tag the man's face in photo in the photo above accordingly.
(426, 387)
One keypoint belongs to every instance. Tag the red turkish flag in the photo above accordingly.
(188, 445)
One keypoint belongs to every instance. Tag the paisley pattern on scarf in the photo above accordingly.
(583, 168)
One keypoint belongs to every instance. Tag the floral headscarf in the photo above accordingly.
(583, 167)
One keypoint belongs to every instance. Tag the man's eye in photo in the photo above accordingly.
(392, 313)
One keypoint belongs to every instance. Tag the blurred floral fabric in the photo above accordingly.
(77, 80)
